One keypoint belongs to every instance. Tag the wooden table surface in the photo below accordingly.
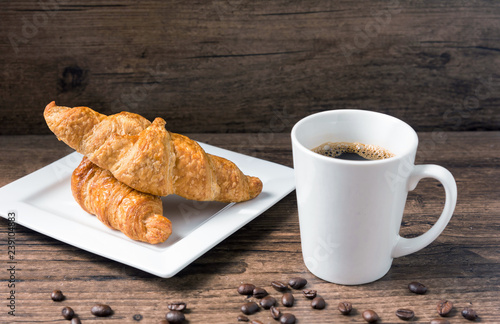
(462, 265)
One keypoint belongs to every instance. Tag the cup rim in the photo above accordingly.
(409, 150)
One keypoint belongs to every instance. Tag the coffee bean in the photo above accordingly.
(287, 299)
(57, 295)
(101, 310)
(345, 308)
(370, 316)
(318, 303)
(309, 293)
(439, 321)
(279, 286)
(249, 308)
(417, 288)
(163, 322)
(256, 322)
(287, 318)
(242, 318)
(175, 317)
(177, 306)
(275, 312)
(267, 302)
(405, 314)
(297, 283)
(67, 313)
(137, 317)
(470, 314)
(259, 292)
(444, 307)
(76, 320)
(246, 289)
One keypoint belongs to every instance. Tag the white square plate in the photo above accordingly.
(42, 201)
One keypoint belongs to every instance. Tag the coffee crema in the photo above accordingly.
(353, 151)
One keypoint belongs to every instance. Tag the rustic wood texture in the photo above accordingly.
(462, 265)
(233, 65)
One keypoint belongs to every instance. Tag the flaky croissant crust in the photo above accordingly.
(136, 214)
(147, 157)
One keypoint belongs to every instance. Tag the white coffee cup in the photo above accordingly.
(350, 212)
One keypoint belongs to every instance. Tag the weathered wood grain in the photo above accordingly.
(250, 66)
(462, 265)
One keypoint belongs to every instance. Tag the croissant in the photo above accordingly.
(148, 158)
(136, 214)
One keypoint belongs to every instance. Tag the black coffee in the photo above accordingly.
(352, 157)
(353, 151)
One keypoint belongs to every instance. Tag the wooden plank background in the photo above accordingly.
(251, 66)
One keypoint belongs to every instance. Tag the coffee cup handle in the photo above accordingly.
(406, 246)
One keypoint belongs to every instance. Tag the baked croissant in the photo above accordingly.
(147, 157)
(136, 214)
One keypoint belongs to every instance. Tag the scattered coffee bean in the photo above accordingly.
(177, 306)
(287, 318)
(439, 321)
(275, 312)
(259, 292)
(256, 322)
(267, 302)
(417, 288)
(318, 303)
(249, 308)
(246, 289)
(287, 299)
(67, 313)
(405, 314)
(137, 317)
(57, 295)
(444, 307)
(370, 316)
(345, 308)
(469, 313)
(309, 293)
(242, 318)
(175, 317)
(101, 310)
(279, 286)
(76, 320)
(297, 283)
